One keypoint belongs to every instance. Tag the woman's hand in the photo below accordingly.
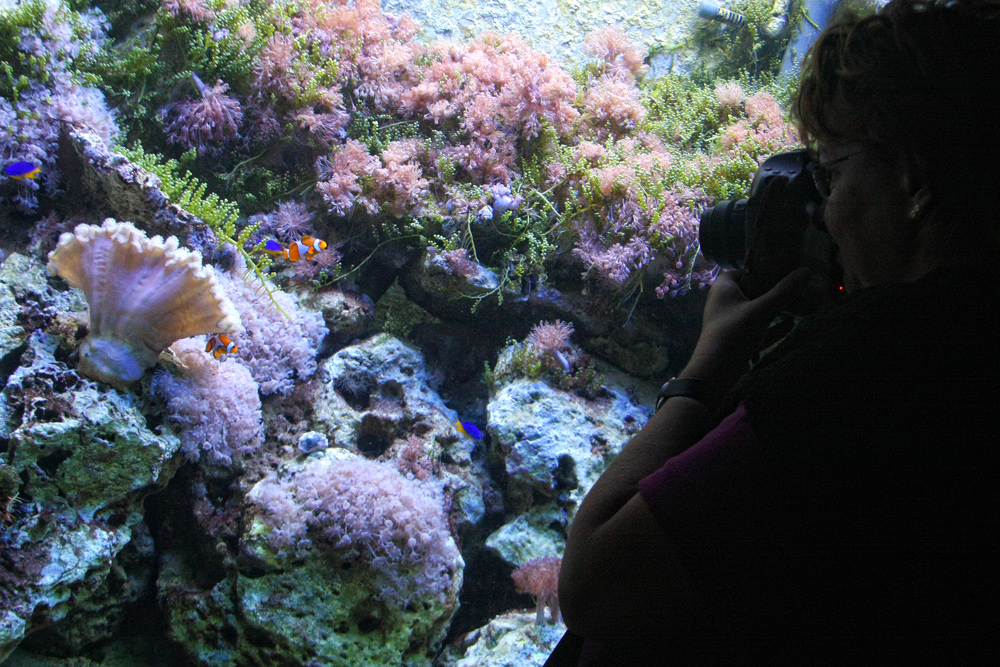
(733, 326)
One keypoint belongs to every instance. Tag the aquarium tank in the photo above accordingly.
(319, 318)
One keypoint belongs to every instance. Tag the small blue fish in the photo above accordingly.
(22, 170)
(469, 430)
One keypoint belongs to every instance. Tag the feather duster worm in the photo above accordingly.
(143, 294)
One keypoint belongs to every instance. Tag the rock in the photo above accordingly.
(554, 444)
(558, 27)
(86, 460)
(536, 533)
(509, 640)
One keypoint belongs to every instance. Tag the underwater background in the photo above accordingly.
(318, 319)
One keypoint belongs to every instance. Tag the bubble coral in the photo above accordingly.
(143, 293)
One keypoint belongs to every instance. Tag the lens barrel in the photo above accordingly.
(723, 234)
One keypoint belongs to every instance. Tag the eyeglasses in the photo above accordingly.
(821, 173)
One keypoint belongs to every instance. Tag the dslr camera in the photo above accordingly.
(775, 231)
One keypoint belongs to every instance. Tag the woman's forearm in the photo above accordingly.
(680, 423)
(617, 569)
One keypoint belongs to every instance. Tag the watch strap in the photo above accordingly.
(689, 387)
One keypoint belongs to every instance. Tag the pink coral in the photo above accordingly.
(612, 106)
(401, 183)
(764, 127)
(341, 178)
(539, 578)
(550, 336)
(206, 123)
(729, 94)
(498, 89)
(324, 128)
(612, 45)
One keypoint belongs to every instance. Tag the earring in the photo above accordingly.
(915, 211)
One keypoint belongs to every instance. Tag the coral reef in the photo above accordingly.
(61, 550)
(326, 493)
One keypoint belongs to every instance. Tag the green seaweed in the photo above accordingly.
(220, 215)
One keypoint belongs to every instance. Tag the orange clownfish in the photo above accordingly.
(308, 247)
(221, 346)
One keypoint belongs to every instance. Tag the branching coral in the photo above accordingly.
(613, 46)
(493, 89)
(612, 106)
(352, 176)
(143, 293)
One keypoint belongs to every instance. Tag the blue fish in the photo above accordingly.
(273, 247)
(469, 430)
(22, 170)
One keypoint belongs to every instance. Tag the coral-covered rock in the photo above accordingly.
(554, 444)
(348, 315)
(86, 460)
(359, 567)
(108, 183)
(530, 535)
(509, 640)
(375, 398)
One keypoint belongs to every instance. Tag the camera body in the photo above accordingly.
(775, 231)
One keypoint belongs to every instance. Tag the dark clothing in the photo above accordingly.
(846, 509)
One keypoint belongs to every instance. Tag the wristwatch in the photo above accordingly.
(690, 387)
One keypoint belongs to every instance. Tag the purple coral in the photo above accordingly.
(278, 347)
(366, 512)
(550, 336)
(204, 124)
(214, 406)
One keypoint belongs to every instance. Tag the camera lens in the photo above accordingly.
(723, 234)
